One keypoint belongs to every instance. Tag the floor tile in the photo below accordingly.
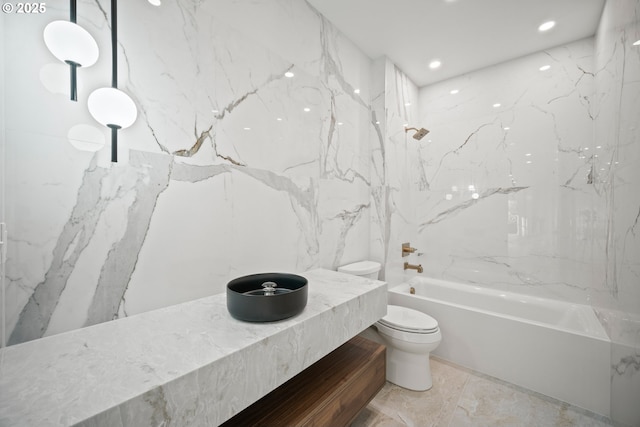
(488, 402)
(463, 398)
(371, 417)
(413, 408)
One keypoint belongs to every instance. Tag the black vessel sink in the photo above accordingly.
(266, 297)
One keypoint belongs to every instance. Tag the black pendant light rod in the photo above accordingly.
(73, 93)
(114, 74)
(114, 44)
(114, 143)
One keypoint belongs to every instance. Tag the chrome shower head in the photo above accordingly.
(420, 133)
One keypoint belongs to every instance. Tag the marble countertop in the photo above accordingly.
(188, 364)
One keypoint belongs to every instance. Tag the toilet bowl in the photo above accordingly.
(409, 335)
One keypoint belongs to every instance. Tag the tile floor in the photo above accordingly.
(461, 397)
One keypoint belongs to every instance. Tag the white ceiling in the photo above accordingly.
(464, 34)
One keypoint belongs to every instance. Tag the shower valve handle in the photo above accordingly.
(407, 249)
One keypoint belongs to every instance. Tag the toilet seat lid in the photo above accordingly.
(409, 320)
(360, 268)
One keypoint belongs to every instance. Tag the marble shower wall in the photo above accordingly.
(617, 85)
(401, 157)
(524, 182)
(231, 168)
(617, 176)
(505, 184)
(394, 155)
(379, 220)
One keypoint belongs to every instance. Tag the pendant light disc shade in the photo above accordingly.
(112, 107)
(70, 42)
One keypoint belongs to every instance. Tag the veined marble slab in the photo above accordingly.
(188, 364)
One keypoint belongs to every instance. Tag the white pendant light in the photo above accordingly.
(70, 42)
(112, 107)
(108, 105)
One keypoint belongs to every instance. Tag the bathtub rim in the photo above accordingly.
(403, 289)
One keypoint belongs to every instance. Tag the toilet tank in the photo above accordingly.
(369, 269)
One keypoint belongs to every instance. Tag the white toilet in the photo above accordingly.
(409, 335)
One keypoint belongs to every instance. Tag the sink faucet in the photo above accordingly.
(408, 266)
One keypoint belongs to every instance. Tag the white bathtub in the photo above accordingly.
(554, 348)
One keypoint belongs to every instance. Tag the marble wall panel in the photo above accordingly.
(509, 158)
(379, 228)
(191, 232)
(231, 168)
(617, 131)
(617, 177)
(394, 197)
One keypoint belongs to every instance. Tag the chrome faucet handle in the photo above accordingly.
(269, 288)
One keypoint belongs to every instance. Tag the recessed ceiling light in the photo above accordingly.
(636, 43)
(155, 2)
(307, 109)
(356, 91)
(247, 128)
(279, 119)
(454, 91)
(406, 104)
(435, 64)
(547, 26)
(289, 74)
(496, 105)
(506, 128)
(545, 67)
